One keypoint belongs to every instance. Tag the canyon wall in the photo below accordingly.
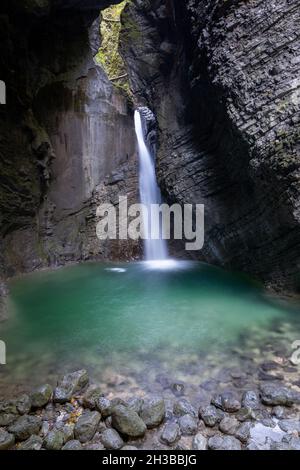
(67, 139)
(223, 81)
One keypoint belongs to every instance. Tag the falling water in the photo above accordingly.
(149, 194)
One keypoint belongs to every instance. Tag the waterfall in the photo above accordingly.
(149, 194)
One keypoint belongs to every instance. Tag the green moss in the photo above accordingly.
(108, 56)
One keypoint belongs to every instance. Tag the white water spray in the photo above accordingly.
(149, 194)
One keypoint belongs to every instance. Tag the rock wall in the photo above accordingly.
(67, 139)
(222, 79)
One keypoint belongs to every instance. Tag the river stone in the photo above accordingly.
(8, 407)
(111, 439)
(227, 401)
(183, 407)
(69, 385)
(275, 394)
(250, 399)
(228, 425)
(243, 431)
(210, 415)
(54, 440)
(170, 433)
(68, 432)
(104, 406)
(199, 442)
(153, 411)
(86, 426)
(41, 396)
(129, 448)
(72, 445)
(279, 412)
(224, 443)
(91, 397)
(128, 422)
(33, 443)
(188, 425)
(7, 418)
(7, 440)
(262, 437)
(93, 446)
(23, 404)
(290, 425)
(135, 404)
(25, 426)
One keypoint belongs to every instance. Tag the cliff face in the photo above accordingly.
(67, 139)
(222, 79)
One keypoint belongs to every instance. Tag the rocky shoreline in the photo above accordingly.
(77, 415)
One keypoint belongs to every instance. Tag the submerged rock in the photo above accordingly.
(153, 411)
(104, 406)
(272, 394)
(7, 440)
(250, 399)
(228, 425)
(128, 422)
(25, 426)
(86, 426)
(111, 439)
(69, 385)
(41, 396)
(23, 404)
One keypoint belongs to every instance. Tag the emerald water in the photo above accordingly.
(133, 318)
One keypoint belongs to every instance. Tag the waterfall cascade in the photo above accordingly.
(155, 249)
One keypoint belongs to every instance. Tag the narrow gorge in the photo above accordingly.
(186, 103)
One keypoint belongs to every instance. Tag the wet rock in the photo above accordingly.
(129, 448)
(135, 404)
(86, 426)
(69, 385)
(7, 440)
(177, 388)
(72, 445)
(94, 446)
(7, 418)
(272, 394)
(188, 425)
(33, 443)
(105, 407)
(278, 412)
(262, 437)
(8, 407)
(170, 433)
(250, 399)
(91, 397)
(41, 396)
(68, 432)
(243, 431)
(290, 425)
(228, 425)
(23, 404)
(182, 407)
(199, 442)
(128, 422)
(224, 443)
(153, 411)
(111, 439)
(54, 440)
(227, 401)
(210, 415)
(25, 426)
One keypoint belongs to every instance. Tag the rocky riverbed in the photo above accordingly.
(256, 407)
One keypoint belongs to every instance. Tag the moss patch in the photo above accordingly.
(108, 56)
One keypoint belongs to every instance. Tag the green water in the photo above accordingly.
(96, 313)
